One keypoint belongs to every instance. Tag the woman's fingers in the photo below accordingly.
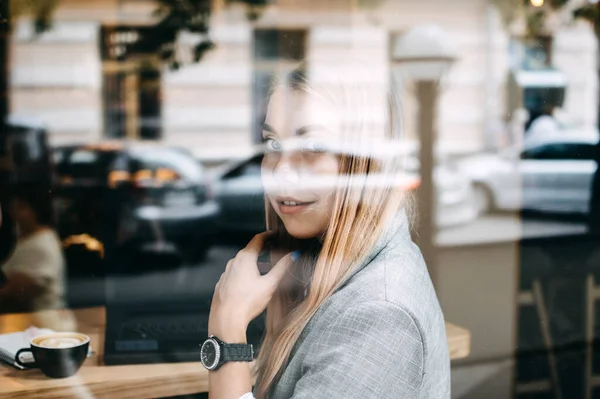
(255, 245)
(278, 271)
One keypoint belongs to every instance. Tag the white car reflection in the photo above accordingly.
(551, 174)
(454, 190)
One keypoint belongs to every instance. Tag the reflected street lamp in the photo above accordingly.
(424, 55)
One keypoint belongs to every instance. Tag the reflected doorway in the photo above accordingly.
(131, 97)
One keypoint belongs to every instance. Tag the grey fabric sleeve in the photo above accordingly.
(372, 350)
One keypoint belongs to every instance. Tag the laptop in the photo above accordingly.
(162, 316)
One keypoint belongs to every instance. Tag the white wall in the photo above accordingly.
(576, 53)
(462, 111)
(56, 77)
(207, 106)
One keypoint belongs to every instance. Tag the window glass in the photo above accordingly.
(58, 156)
(560, 151)
(84, 164)
(582, 152)
(274, 44)
(274, 50)
(140, 125)
(132, 97)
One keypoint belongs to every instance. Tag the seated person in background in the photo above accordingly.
(545, 125)
(35, 272)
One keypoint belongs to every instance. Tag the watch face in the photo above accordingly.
(210, 354)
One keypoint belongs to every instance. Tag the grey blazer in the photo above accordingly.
(381, 335)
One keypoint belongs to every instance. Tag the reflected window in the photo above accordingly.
(131, 83)
(279, 44)
(561, 152)
(57, 157)
(83, 157)
(84, 164)
(275, 51)
(531, 53)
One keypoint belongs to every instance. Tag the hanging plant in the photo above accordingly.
(174, 18)
(193, 16)
(524, 19)
(40, 11)
(536, 23)
(254, 8)
(510, 11)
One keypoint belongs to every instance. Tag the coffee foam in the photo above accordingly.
(60, 340)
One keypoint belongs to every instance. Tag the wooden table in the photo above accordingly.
(95, 380)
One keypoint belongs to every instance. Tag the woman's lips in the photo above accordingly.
(288, 206)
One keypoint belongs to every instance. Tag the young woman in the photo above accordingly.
(351, 311)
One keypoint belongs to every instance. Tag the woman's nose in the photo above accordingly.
(286, 168)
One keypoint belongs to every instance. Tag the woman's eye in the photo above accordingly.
(272, 145)
(312, 145)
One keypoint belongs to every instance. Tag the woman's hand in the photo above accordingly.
(242, 293)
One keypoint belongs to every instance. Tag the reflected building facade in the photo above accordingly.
(77, 79)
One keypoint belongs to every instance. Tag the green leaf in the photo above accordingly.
(536, 23)
(41, 25)
(166, 54)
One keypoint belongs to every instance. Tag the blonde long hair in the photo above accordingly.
(359, 215)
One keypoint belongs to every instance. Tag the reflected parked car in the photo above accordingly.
(551, 174)
(27, 139)
(454, 190)
(164, 198)
(239, 191)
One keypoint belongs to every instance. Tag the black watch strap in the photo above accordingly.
(237, 353)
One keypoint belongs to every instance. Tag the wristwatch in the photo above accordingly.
(214, 353)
